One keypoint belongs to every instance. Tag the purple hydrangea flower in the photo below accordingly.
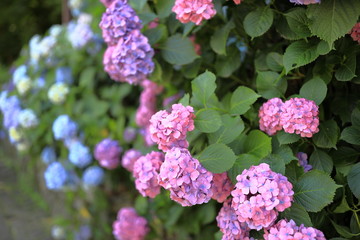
(55, 176)
(93, 176)
(221, 187)
(129, 158)
(303, 161)
(305, 2)
(107, 152)
(129, 134)
(129, 226)
(84, 233)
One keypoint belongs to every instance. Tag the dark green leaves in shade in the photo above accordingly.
(354, 180)
(259, 21)
(328, 135)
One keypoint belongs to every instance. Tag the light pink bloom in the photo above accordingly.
(193, 10)
(237, 1)
(355, 32)
(305, 2)
(221, 187)
(270, 116)
(129, 226)
(129, 158)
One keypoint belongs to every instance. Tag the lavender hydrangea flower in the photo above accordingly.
(107, 3)
(129, 159)
(118, 21)
(55, 176)
(80, 35)
(84, 233)
(93, 176)
(63, 75)
(27, 118)
(129, 134)
(305, 2)
(107, 152)
(48, 155)
(303, 161)
(80, 155)
(64, 128)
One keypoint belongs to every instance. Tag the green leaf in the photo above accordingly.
(354, 180)
(203, 86)
(297, 213)
(283, 28)
(157, 34)
(185, 100)
(314, 89)
(343, 206)
(351, 135)
(320, 160)
(87, 77)
(156, 75)
(138, 5)
(191, 70)
(314, 190)
(333, 19)
(347, 69)
(219, 38)
(275, 61)
(293, 171)
(256, 23)
(231, 128)
(178, 50)
(163, 7)
(217, 158)
(285, 153)
(298, 22)
(270, 84)
(275, 162)
(207, 120)
(298, 54)
(244, 161)
(242, 99)
(328, 135)
(344, 231)
(226, 65)
(355, 117)
(287, 138)
(257, 143)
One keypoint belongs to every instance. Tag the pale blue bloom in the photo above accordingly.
(80, 155)
(93, 176)
(64, 128)
(48, 155)
(55, 176)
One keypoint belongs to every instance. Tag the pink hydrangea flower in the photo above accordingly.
(221, 187)
(300, 116)
(109, 65)
(107, 3)
(129, 226)
(229, 225)
(196, 45)
(169, 129)
(237, 1)
(259, 195)
(129, 158)
(287, 230)
(303, 161)
(107, 152)
(146, 171)
(189, 183)
(355, 32)
(305, 2)
(193, 10)
(118, 21)
(270, 116)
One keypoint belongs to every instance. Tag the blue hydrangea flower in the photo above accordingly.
(64, 128)
(80, 33)
(40, 82)
(10, 108)
(63, 75)
(80, 155)
(27, 118)
(93, 176)
(55, 176)
(84, 233)
(19, 73)
(48, 155)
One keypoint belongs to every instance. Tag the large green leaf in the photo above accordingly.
(354, 180)
(320, 160)
(178, 50)
(333, 19)
(275, 61)
(344, 231)
(287, 138)
(231, 128)
(217, 158)
(163, 7)
(328, 135)
(256, 23)
(351, 135)
(257, 143)
(314, 190)
(270, 84)
(297, 213)
(207, 120)
(314, 89)
(203, 86)
(346, 71)
(219, 38)
(298, 22)
(242, 99)
(157, 34)
(226, 65)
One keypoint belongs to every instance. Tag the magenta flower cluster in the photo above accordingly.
(259, 195)
(297, 115)
(169, 130)
(221, 187)
(107, 3)
(146, 171)
(129, 158)
(193, 10)
(107, 152)
(303, 161)
(129, 55)
(229, 224)
(287, 230)
(129, 226)
(189, 183)
(355, 32)
(305, 2)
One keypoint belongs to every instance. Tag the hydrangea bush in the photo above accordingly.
(184, 119)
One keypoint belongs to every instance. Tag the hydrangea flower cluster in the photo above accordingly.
(259, 195)
(118, 21)
(10, 108)
(58, 92)
(41, 48)
(48, 155)
(297, 115)
(193, 10)
(237, 1)
(221, 187)
(63, 75)
(270, 115)
(146, 171)
(300, 116)
(129, 134)
(107, 152)
(355, 32)
(303, 161)
(80, 33)
(229, 224)
(23, 85)
(189, 183)
(84, 233)
(129, 226)
(64, 128)
(93, 176)
(55, 176)
(107, 3)
(305, 2)
(169, 129)
(27, 118)
(129, 158)
(287, 230)
(79, 154)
